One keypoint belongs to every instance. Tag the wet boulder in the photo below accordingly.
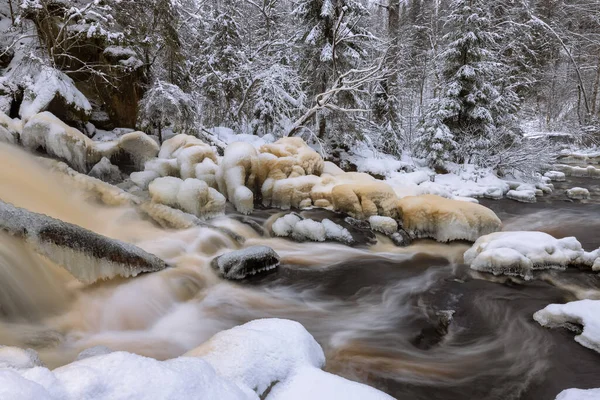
(242, 263)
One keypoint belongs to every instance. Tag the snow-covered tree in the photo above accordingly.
(166, 106)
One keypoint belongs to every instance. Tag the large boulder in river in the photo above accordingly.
(243, 263)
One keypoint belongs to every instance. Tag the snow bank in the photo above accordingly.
(260, 353)
(294, 226)
(10, 129)
(578, 193)
(579, 394)
(583, 312)
(445, 220)
(237, 175)
(59, 140)
(520, 253)
(315, 384)
(192, 195)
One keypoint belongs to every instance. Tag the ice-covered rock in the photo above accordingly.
(143, 178)
(445, 220)
(523, 196)
(590, 171)
(579, 394)
(240, 264)
(556, 176)
(578, 193)
(192, 195)
(16, 358)
(385, 225)
(93, 352)
(520, 253)
(261, 353)
(138, 148)
(584, 313)
(10, 129)
(237, 175)
(162, 166)
(299, 229)
(59, 140)
(106, 172)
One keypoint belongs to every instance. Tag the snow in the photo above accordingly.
(106, 172)
(445, 219)
(48, 84)
(578, 193)
(10, 129)
(249, 261)
(284, 226)
(139, 146)
(579, 394)
(385, 225)
(315, 384)
(555, 176)
(583, 312)
(228, 136)
(237, 175)
(308, 229)
(16, 358)
(192, 196)
(143, 178)
(363, 200)
(520, 253)
(261, 352)
(590, 171)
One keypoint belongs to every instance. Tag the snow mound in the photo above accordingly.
(445, 220)
(583, 312)
(385, 225)
(523, 196)
(579, 394)
(260, 353)
(299, 229)
(10, 129)
(578, 193)
(59, 140)
(315, 384)
(192, 196)
(555, 176)
(237, 175)
(250, 261)
(48, 85)
(362, 201)
(520, 253)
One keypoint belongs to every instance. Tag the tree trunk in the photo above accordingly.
(12, 14)
(594, 98)
(88, 256)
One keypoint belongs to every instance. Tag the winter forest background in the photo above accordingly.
(466, 81)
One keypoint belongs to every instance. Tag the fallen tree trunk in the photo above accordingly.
(88, 256)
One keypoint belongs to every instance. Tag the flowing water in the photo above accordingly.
(412, 321)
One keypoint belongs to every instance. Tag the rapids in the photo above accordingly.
(414, 322)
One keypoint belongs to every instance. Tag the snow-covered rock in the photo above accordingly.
(523, 196)
(59, 140)
(590, 171)
(584, 313)
(556, 176)
(106, 172)
(365, 200)
(520, 253)
(445, 220)
(237, 175)
(192, 195)
(16, 358)
(143, 178)
(578, 193)
(579, 394)
(240, 264)
(10, 129)
(139, 147)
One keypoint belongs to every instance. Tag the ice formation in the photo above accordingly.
(385, 225)
(237, 175)
(365, 200)
(59, 140)
(294, 226)
(590, 171)
(579, 394)
(192, 195)
(106, 172)
(524, 195)
(14, 357)
(10, 129)
(584, 313)
(578, 193)
(139, 147)
(445, 220)
(520, 253)
(240, 264)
